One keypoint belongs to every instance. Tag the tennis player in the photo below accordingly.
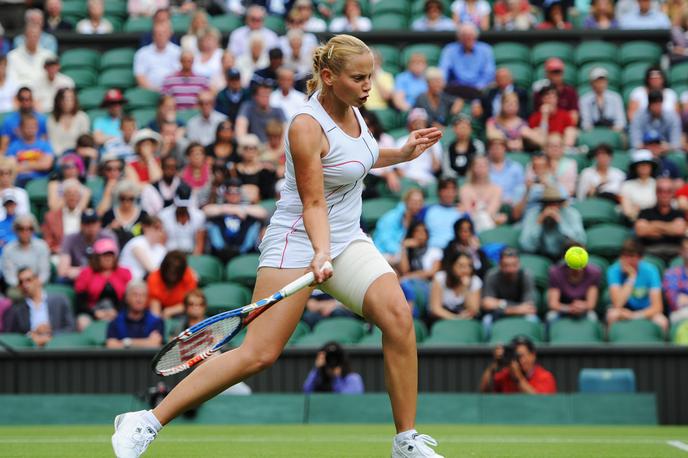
(329, 152)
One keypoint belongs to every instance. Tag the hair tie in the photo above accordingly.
(329, 54)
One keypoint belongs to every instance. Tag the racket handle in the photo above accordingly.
(301, 282)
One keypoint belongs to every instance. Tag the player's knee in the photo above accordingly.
(397, 319)
(265, 358)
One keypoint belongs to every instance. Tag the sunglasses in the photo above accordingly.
(24, 228)
(112, 169)
(127, 198)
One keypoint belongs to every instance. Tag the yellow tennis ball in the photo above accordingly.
(576, 257)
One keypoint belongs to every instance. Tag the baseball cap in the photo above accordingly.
(8, 195)
(113, 96)
(597, 73)
(417, 114)
(655, 97)
(105, 246)
(553, 64)
(89, 216)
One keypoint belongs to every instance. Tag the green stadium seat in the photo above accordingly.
(402, 131)
(74, 9)
(613, 72)
(121, 78)
(143, 116)
(339, 329)
(185, 115)
(300, 330)
(592, 138)
(242, 269)
(389, 119)
(431, 53)
(634, 74)
(208, 268)
(83, 77)
(568, 331)
(639, 51)
(96, 332)
(69, 340)
(373, 209)
(511, 52)
(15, 340)
(605, 239)
(679, 74)
(521, 157)
(597, 211)
(64, 290)
(595, 51)
(226, 296)
(116, 8)
(226, 23)
(501, 234)
(389, 21)
(635, 332)
(455, 332)
(180, 23)
(91, 97)
(676, 262)
(138, 24)
(79, 58)
(276, 24)
(390, 55)
(37, 189)
(268, 204)
(116, 21)
(538, 266)
(606, 381)
(96, 185)
(141, 98)
(117, 58)
(390, 6)
(543, 51)
(374, 337)
(679, 158)
(521, 72)
(621, 160)
(655, 261)
(507, 328)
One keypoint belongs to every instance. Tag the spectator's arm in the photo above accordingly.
(674, 132)
(399, 101)
(586, 115)
(656, 305)
(635, 131)
(619, 294)
(152, 341)
(619, 113)
(111, 342)
(142, 257)
(471, 304)
(487, 379)
(524, 385)
(592, 296)
(648, 229)
(487, 75)
(172, 310)
(553, 301)
(311, 379)
(65, 268)
(571, 226)
(531, 233)
(9, 270)
(241, 126)
(155, 306)
(199, 242)
(351, 384)
(570, 135)
(43, 164)
(4, 143)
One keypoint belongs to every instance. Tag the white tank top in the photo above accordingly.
(286, 244)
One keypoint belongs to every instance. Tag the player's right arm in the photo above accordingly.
(308, 145)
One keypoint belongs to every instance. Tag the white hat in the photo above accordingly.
(598, 72)
(145, 134)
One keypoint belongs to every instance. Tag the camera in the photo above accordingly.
(507, 356)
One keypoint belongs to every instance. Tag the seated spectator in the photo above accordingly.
(70, 168)
(508, 290)
(666, 167)
(466, 241)
(111, 168)
(660, 228)
(255, 21)
(254, 114)
(8, 87)
(198, 23)
(67, 122)
(195, 308)
(504, 172)
(65, 219)
(100, 286)
(267, 75)
(350, 19)
(34, 16)
(385, 176)
(135, 326)
(88, 153)
(274, 154)
(567, 96)
(285, 97)
(165, 112)
(517, 371)
(184, 224)
(298, 47)
(468, 64)
(145, 168)
(41, 335)
(551, 119)
(184, 84)
(601, 179)
(675, 287)
(565, 169)
(125, 216)
(230, 99)
(503, 84)
(439, 105)
(208, 59)
(635, 288)
(25, 63)
(10, 131)
(475, 12)
(554, 16)
(214, 190)
(644, 17)
(573, 293)
(546, 230)
(250, 62)
(455, 290)
(513, 15)
(201, 128)
(321, 306)
(108, 127)
(381, 85)
(172, 141)
(196, 173)
(480, 198)
(679, 39)
(34, 155)
(419, 261)
(457, 160)
(26, 251)
(655, 80)
(144, 253)
(332, 373)
(146, 8)
(161, 194)
(94, 23)
(514, 128)
(258, 180)
(8, 173)
(638, 191)
(411, 83)
(423, 169)
(37, 307)
(664, 123)
(234, 225)
(51, 81)
(433, 19)
(7, 232)
(155, 61)
(601, 107)
(54, 21)
(601, 16)
(169, 285)
(391, 227)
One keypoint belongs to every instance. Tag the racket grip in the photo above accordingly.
(301, 282)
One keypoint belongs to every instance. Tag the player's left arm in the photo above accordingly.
(418, 141)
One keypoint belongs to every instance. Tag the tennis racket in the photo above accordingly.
(202, 340)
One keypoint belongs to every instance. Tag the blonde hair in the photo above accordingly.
(334, 55)
(9, 163)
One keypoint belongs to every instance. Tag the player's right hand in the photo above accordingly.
(321, 266)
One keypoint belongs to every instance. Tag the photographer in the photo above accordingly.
(332, 373)
(514, 370)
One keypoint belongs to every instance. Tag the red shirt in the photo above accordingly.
(93, 283)
(567, 98)
(541, 379)
(558, 121)
(169, 297)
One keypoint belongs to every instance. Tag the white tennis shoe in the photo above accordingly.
(132, 435)
(414, 446)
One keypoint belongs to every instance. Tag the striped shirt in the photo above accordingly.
(184, 89)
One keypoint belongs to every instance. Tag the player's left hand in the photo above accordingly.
(420, 140)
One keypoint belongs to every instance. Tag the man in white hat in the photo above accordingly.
(601, 107)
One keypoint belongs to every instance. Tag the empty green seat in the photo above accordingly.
(431, 53)
(121, 78)
(389, 6)
(621, 160)
(63, 290)
(521, 157)
(79, 57)
(598, 135)
(83, 77)
(15, 340)
(597, 211)
(242, 269)
(521, 72)
(69, 340)
(37, 189)
(613, 72)
(568, 331)
(340, 329)
(116, 8)
(511, 52)
(91, 97)
(276, 24)
(606, 239)
(639, 51)
(390, 55)
(389, 21)
(143, 116)
(504, 330)
(226, 23)
(501, 234)
(635, 332)
(208, 268)
(300, 330)
(679, 74)
(75, 9)
(538, 266)
(373, 209)
(374, 337)
(138, 24)
(455, 332)
(185, 115)
(679, 158)
(634, 74)
(96, 333)
(180, 23)
(226, 296)
(389, 119)
(116, 58)
(543, 51)
(141, 98)
(597, 50)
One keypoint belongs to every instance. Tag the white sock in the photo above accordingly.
(151, 420)
(405, 435)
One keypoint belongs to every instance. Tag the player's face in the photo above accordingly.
(352, 85)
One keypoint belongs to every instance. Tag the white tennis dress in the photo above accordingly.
(286, 243)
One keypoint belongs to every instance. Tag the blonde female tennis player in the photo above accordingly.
(329, 152)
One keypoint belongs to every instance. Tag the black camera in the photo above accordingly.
(507, 356)
(604, 122)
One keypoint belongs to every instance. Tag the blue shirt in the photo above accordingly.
(135, 329)
(511, 178)
(411, 85)
(29, 152)
(475, 69)
(653, 19)
(440, 223)
(7, 234)
(110, 127)
(38, 312)
(10, 125)
(646, 280)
